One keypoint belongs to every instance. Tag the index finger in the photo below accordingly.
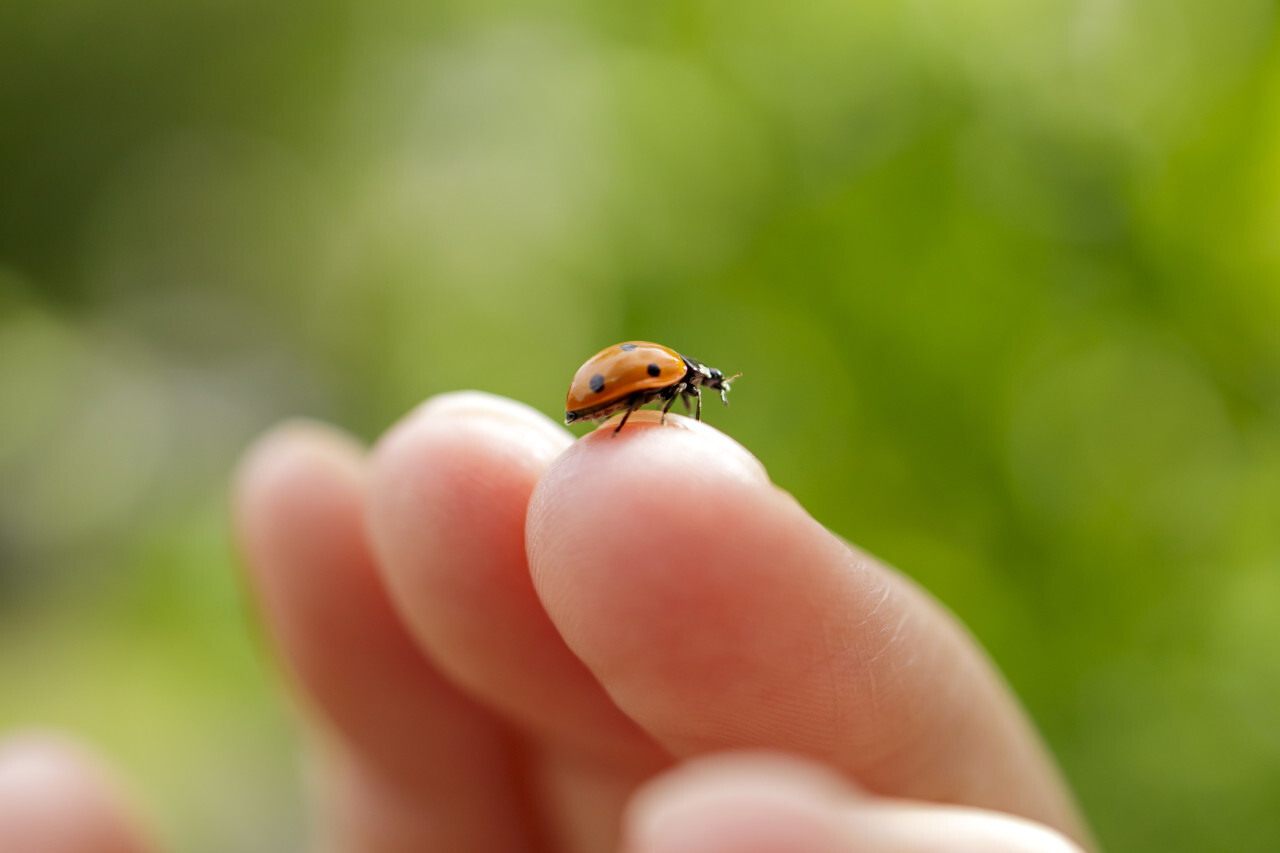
(718, 614)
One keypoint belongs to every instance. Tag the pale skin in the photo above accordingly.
(506, 641)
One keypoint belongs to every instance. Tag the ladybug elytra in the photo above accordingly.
(633, 374)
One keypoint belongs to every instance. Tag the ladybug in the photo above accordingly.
(631, 375)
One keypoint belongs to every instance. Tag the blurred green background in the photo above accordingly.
(1003, 279)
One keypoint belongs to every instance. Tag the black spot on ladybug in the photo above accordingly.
(597, 383)
(627, 347)
(654, 370)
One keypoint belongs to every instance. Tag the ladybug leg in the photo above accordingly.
(630, 409)
(666, 409)
(697, 393)
(678, 391)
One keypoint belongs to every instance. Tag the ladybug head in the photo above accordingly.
(720, 383)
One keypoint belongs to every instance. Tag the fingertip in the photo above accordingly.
(740, 803)
(887, 826)
(680, 435)
(297, 435)
(448, 498)
(538, 433)
(646, 466)
(425, 766)
(444, 440)
(760, 802)
(56, 797)
(660, 555)
(451, 479)
(290, 455)
(659, 518)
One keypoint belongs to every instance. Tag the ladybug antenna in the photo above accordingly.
(724, 388)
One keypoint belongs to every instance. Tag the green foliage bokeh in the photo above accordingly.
(1003, 279)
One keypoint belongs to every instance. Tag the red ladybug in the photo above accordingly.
(628, 376)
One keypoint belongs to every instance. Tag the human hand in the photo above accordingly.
(511, 641)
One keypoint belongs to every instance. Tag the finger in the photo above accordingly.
(757, 803)
(415, 765)
(56, 798)
(718, 614)
(448, 494)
